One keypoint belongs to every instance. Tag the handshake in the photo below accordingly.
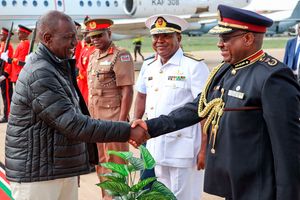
(138, 133)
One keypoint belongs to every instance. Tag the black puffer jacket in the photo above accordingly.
(47, 132)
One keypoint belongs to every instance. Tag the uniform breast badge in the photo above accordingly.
(236, 94)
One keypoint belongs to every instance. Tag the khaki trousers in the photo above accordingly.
(58, 189)
(104, 157)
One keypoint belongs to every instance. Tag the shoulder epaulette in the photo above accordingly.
(154, 57)
(150, 57)
(269, 60)
(189, 55)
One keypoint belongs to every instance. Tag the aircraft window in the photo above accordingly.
(3, 3)
(34, 3)
(46, 3)
(107, 3)
(81, 3)
(14, 2)
(59, 3)
(90, 3)
(116, 3)
(25, 3)
(98, 3)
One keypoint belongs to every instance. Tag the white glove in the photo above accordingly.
(2, 78)
(4, 56)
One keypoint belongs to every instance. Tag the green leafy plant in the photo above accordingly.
(120, 182)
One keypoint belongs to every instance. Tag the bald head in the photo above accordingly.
(57, 32)
(49, 22)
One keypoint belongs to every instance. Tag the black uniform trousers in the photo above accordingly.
(6, 92)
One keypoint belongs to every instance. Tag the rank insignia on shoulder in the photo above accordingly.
(150, 57)
(269, 60)
(236, 94)
(125, 58)
(189, 55)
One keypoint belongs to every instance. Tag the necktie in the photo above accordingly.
(294, 67)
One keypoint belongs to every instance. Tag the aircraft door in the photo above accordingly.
(59, 5)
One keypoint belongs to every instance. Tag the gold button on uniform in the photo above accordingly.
(233, 72)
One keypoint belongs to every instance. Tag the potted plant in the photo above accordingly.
(120, 183)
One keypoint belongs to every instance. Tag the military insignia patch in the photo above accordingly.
(160, 23)
(92, 25)
(125, 58)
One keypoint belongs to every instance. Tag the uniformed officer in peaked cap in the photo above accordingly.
(167, 81)
(18, 58)
(251, 103)
(110, 75)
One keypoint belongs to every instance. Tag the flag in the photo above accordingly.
(5, 192)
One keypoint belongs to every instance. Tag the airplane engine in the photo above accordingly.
(138, 8)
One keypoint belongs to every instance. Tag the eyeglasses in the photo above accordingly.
(227, 38)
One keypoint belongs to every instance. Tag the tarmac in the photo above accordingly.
(88, 189)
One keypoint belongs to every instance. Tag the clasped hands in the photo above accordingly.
(138, 133)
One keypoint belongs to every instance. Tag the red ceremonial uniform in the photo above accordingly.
(19, 55)
(82, 65)
(80, 45)
(6, 85)
(7, 66)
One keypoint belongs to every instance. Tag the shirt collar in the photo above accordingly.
(175, 59)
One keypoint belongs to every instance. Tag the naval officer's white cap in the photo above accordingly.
(166, 24)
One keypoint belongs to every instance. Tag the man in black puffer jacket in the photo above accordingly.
(50, 137)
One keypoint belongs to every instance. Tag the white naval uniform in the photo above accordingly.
(168, 87)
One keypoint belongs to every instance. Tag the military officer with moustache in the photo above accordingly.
(252, 105)
(110, 82)
(166, 82)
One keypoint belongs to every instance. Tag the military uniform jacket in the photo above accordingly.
(82, 65)
(7, 66)
(107, 72)
(168, 87)
(19, 56)
(257, 146)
